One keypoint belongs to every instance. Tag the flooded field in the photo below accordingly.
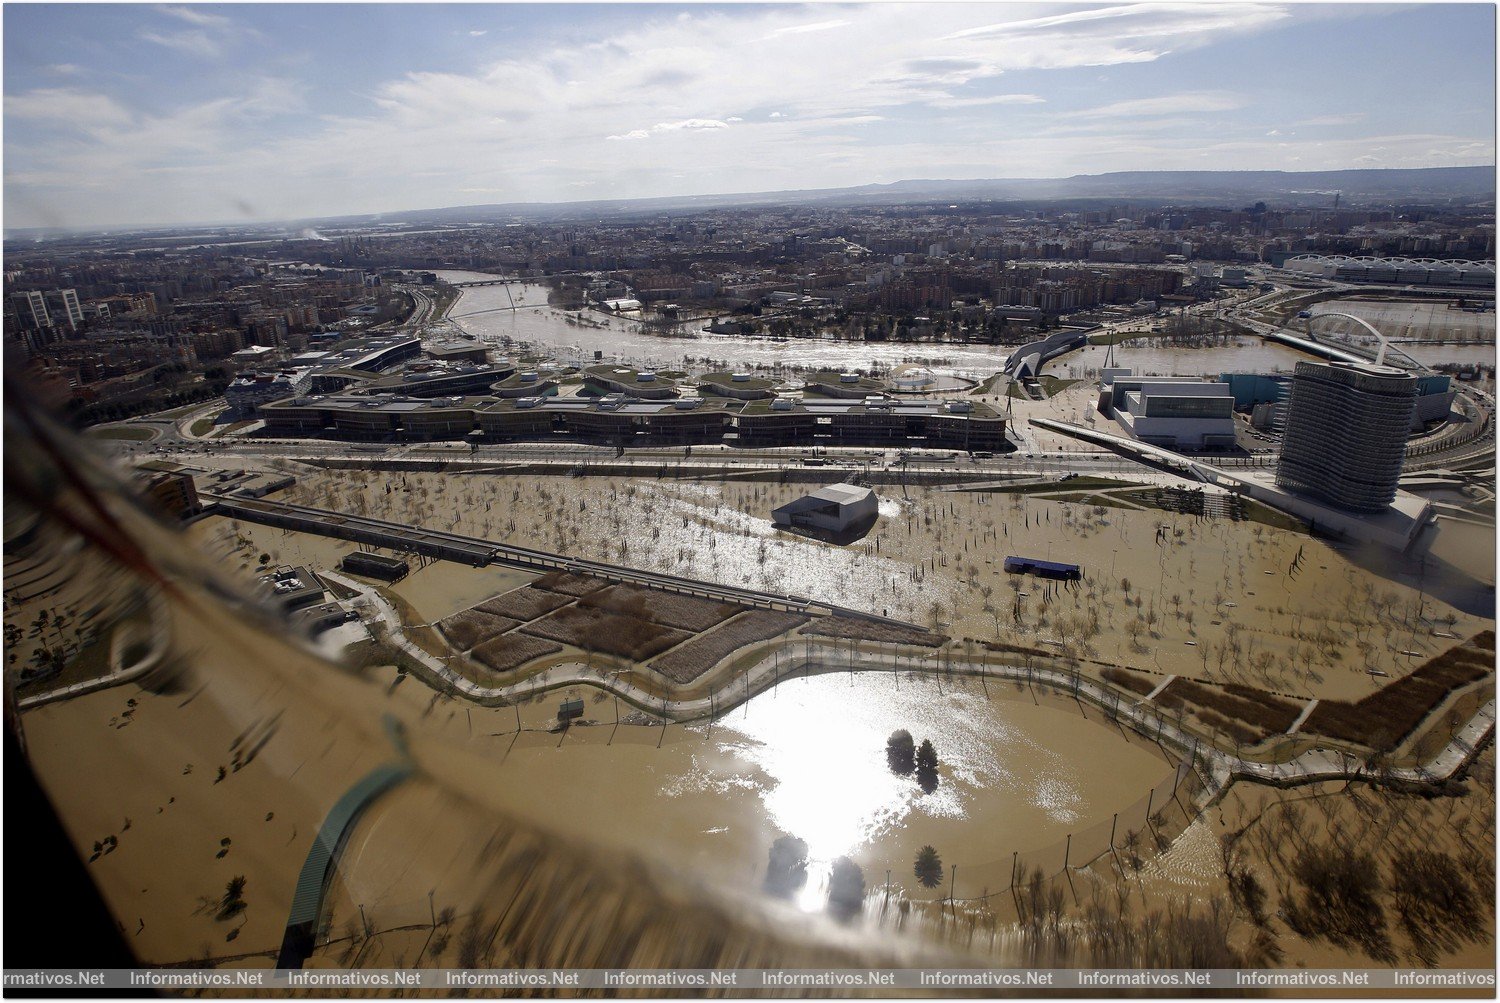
(436, 590)
(1467, 546)
(1433, 355)
(1419, 320)
(807, 759)
(1149, 359)
(1168, 593)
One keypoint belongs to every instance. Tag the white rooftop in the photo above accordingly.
(842, 494)
(1167, 388)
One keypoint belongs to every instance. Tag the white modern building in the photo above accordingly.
(250, 390)
(836, 508)
(253, 355)
(1176, 412)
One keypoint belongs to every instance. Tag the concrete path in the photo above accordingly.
(1153, 694)
(1301, 718)
(806, 657)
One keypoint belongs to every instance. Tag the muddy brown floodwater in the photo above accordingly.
(1166, 593)
(807, 759)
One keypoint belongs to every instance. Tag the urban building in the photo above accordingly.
(1264, 397)
(378, 566)
(837, 508)
(742, 386)
(65, 301)
(1042, 569)
(1407, 271)
(1346, 430)
(458, 350)
(608, 379)
(253, 355)
(31, 310)
(292, 588)
(620, 420)
(248, 391)
(1170, 411)
(441, 379)
(171, 492)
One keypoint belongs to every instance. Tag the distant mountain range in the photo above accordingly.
(1277, 188)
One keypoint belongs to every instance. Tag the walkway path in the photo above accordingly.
(807, 657)
(159, 634)
(1154, 693)
(1302, 718)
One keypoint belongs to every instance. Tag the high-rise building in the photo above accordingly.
(31, 310)
(1346, 429)
(65, 302)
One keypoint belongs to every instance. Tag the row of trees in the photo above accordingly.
(786, 874)
(904, 758)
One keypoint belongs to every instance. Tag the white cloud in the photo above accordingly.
(803, 29)
(206, 39)
(477, 33)
(65, 107)
(1327, 120)
(1168, 104)
(1144, 20)
(197, 15)
(994, 99)
(688, 125)
(552, 117)
(194, 43)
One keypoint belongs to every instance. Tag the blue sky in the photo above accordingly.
(156, 114)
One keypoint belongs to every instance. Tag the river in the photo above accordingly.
(519, 311)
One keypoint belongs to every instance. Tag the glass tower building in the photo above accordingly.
(1346, 429)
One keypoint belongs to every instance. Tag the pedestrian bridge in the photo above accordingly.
(1143, 452)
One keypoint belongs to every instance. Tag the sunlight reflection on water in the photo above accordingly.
(819, 745)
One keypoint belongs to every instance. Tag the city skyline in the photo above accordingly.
(122, 115)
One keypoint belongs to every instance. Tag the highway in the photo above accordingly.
(885, 465)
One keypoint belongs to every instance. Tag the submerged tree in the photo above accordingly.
(929, 867)
(1340, 901)
(927, 766)
(1437, 903)
(846, 889)
(786, 872)
(900, 753)
(233, 902)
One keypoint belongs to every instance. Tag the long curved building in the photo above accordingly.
(1407, 271)
(1346, 429)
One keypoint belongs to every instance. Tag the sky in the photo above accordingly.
(143, 114)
